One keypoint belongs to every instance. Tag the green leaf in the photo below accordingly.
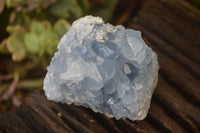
(8, 3)
(3, 47)
(18, 30)
(15, 46)
(19, 55)
(66, 9)
(85, 6)
(15, 43)
(48, 42)
(32, 43)
(37, 27)
(52, 47)
(47, 37)
(61, 27)
(23, 19)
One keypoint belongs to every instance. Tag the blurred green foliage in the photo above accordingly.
(38, 42)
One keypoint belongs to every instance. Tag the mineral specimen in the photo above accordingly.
(107, 68)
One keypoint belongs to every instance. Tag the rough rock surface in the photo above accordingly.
(107, 68)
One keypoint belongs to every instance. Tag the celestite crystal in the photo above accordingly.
(107, 68)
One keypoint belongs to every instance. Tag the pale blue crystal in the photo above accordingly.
(107, 68)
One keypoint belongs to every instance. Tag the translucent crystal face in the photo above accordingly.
(109, 69)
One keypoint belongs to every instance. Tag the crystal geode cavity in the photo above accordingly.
(107, 68)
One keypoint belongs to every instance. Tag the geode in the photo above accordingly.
(107, 68)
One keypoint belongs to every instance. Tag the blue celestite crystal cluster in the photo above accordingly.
(107, 68)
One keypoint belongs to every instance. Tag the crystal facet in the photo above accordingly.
(107, 68)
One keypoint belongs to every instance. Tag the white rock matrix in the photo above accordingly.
(107, 68)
